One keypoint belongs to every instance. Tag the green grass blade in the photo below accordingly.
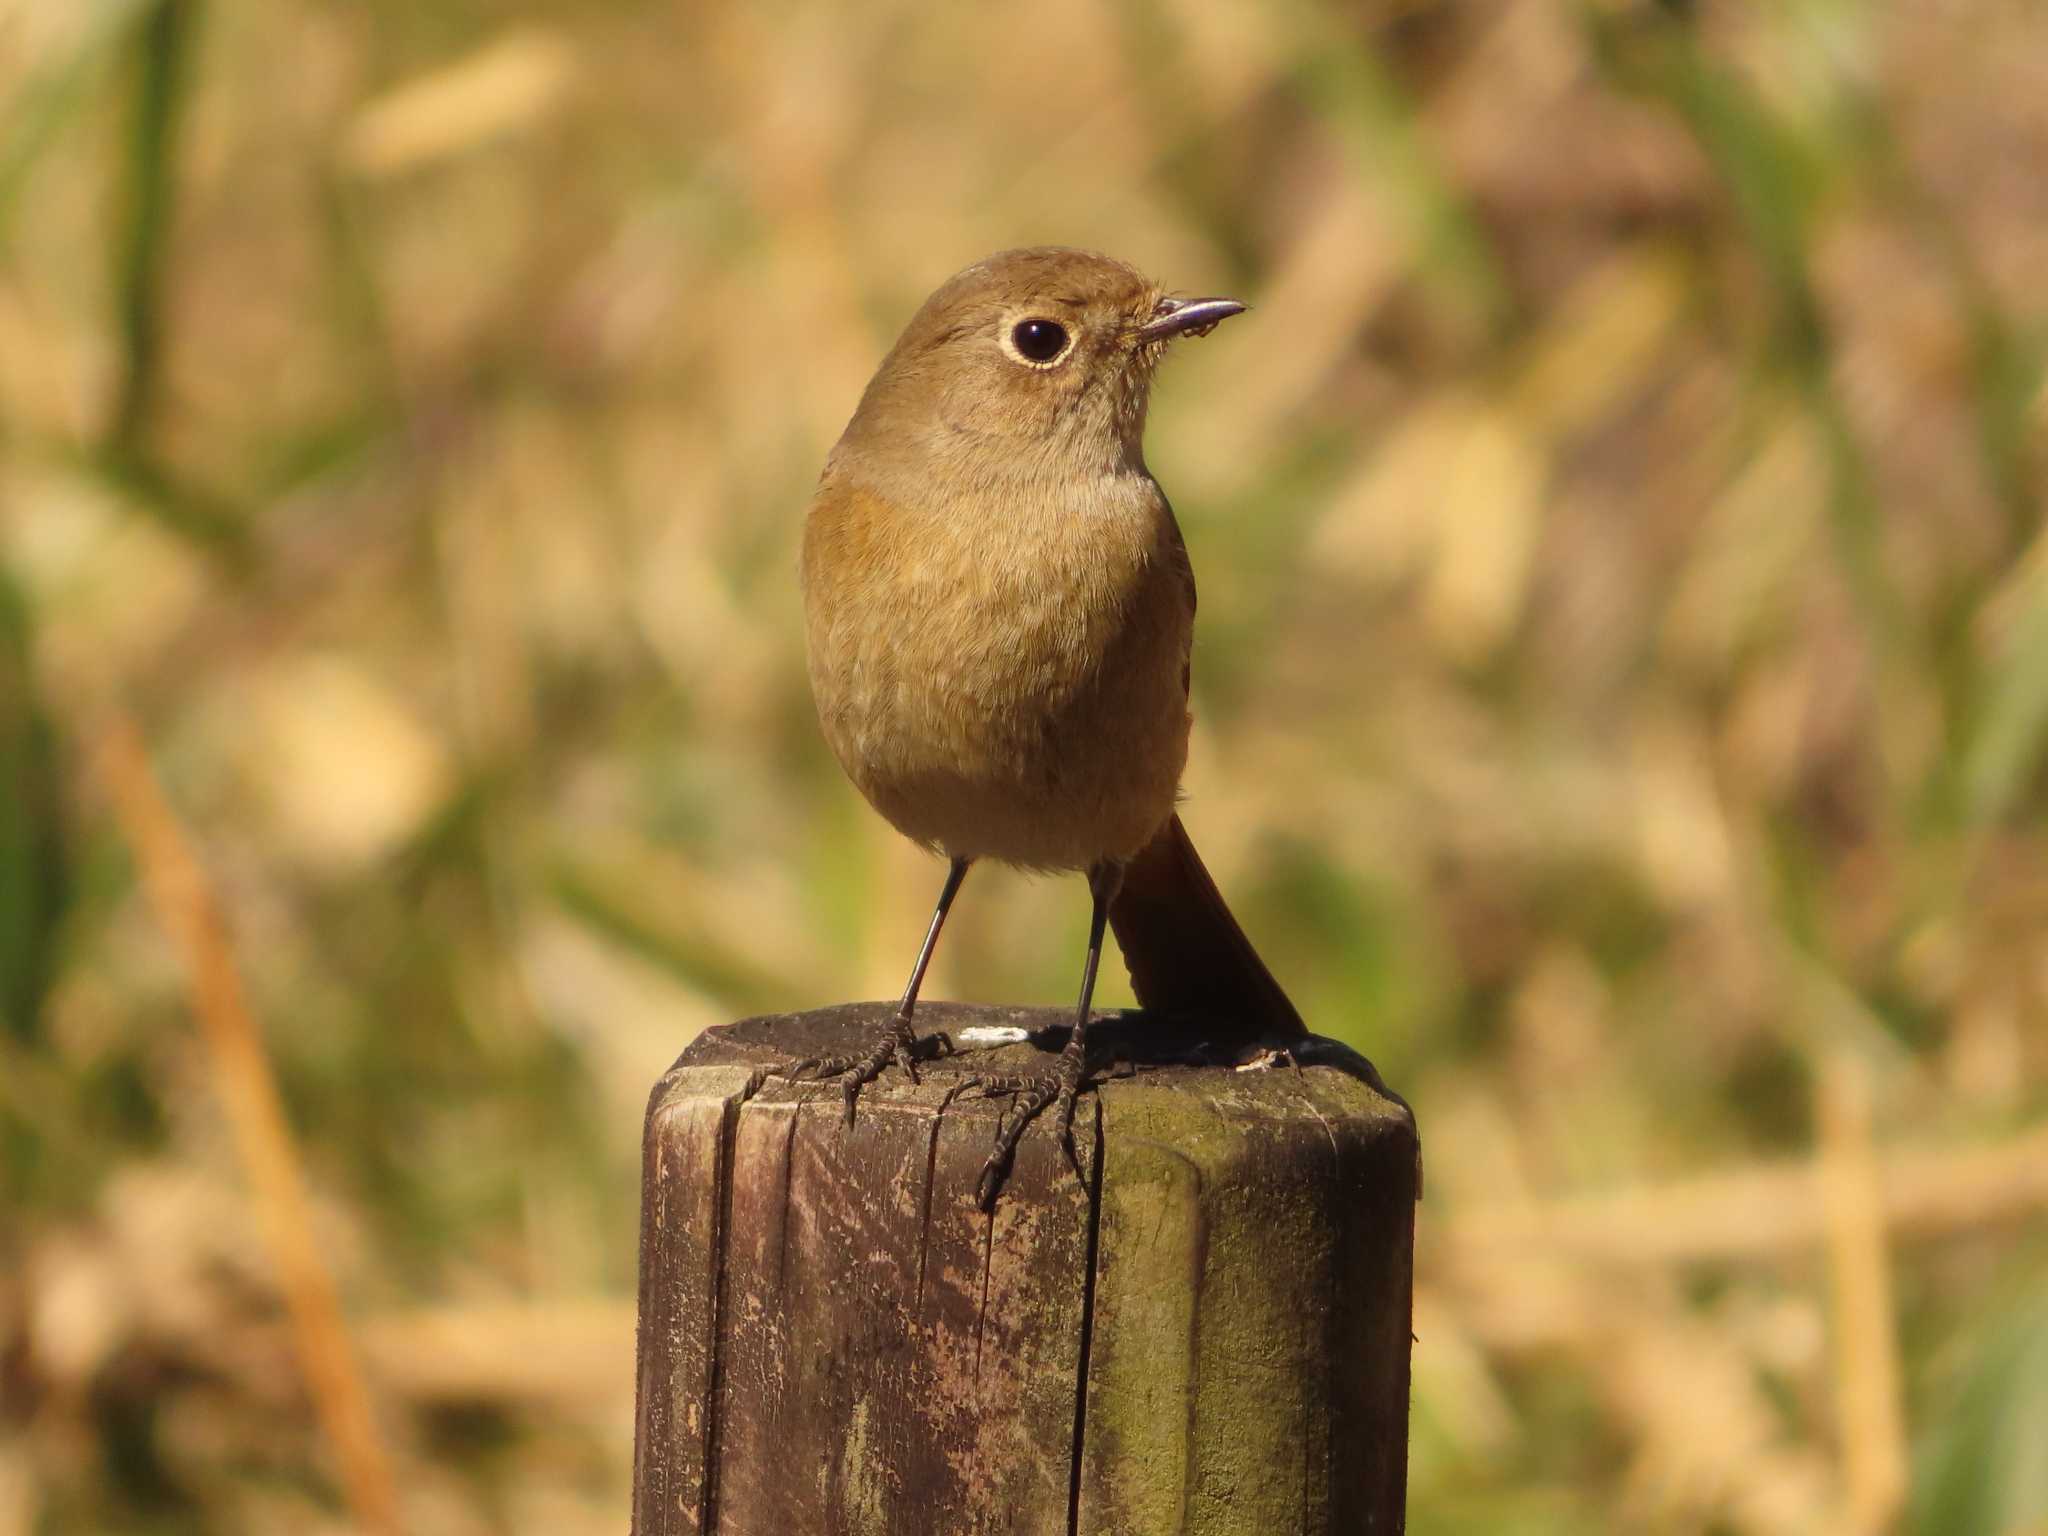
(33, 881)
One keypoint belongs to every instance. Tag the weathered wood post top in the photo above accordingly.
(1204, 1329)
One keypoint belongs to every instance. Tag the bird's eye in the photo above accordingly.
(1039, 340)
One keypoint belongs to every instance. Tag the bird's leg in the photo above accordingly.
(1063, 1084)
(900, 1040)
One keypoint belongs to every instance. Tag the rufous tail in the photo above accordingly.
(1186, 954)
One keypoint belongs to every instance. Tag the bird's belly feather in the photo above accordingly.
(1000, 715)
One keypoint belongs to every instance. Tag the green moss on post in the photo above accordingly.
(1206, 1331)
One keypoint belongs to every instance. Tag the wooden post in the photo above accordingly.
(1204, 1331)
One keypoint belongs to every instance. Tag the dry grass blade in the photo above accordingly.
(1866, 1325)
(570, 1351)
(184, 903)
(500, 88)
(1765, 1211)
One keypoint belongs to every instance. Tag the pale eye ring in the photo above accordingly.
(1038, 341)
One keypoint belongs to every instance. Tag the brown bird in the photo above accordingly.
(1000, 612)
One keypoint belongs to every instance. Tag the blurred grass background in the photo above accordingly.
(1621, 689)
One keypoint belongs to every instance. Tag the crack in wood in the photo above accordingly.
(1087, 1324)
(788, 1178)
(988, 1258)
(714, 1415)
(1325, 1347)
(924, 1225)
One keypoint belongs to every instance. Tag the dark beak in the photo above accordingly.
(1188, 317)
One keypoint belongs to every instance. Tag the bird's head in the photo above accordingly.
(1040, 359)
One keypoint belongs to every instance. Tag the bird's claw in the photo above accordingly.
(899, 1045)
(1031, 1097)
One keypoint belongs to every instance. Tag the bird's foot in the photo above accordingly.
(1031, 1096)
(898, 1044)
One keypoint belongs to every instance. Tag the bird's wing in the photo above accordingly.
(1177, 555)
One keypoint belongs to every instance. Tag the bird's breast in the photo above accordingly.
(981, 658)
